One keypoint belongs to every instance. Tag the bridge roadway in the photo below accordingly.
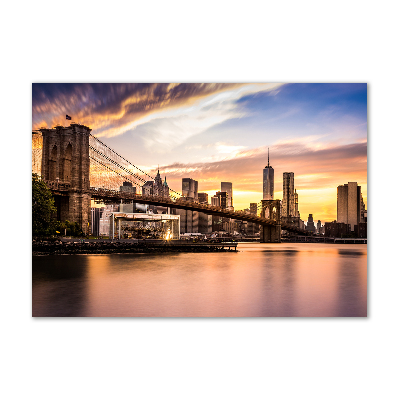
(106, 195)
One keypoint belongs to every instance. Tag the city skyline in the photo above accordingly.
(221, 132)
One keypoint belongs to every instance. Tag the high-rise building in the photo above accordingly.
(215, 201)
(203, 197)
(223, 199)
(104, 223)
(154, 188)
(268, 182)
(165, 188)
(147, 188)
(205, 223)
(253, 208)
(296, 204)
(189, 221)
(319, 227)
(227, 187)
(288, 200)
(96, 212)
(251, 227)
(350, 204)
(190, 188)
(336, 229)
(205, 220)
(160, 188)
(127, 188)
(310, 224)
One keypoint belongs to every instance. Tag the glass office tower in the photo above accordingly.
(268, 182)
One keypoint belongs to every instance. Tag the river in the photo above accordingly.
(259, 280)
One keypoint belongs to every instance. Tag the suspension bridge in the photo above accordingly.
(78, 168)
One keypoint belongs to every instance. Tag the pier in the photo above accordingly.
(100, 246)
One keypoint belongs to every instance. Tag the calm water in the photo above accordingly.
(261, 280)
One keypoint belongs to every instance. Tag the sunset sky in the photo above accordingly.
(221, 132)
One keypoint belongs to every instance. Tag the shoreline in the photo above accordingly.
(113, 247)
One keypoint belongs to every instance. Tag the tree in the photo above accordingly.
(69, 228)
(43, 209)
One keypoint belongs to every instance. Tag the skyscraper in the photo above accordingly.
(227, 187)
(288, 200)
(215, 201)
(296, 204)
(190, 188)
(253, 208)
(310, 224)
(223, 199)
(152, 188)
(268, 182)
(350, 204)
(203, 197)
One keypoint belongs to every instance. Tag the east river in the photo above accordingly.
(259, 280)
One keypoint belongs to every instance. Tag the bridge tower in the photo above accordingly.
(271, 209)
(65, 168)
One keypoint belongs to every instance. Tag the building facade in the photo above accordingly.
(156, 187)
(227, 187)
(319, 227)
(268, 182)
(350, 204)
(215, 201)
(253, 208)
(104, 222)
(65, 162)
(288, 200)
(190, 188)
(310, 224)
(223, 199)
(337, 229)
(96, 214)
(203, 197)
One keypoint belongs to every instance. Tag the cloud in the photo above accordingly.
(112, 101)
(112, 108)
(317, 170)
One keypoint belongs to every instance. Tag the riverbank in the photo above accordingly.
(79, 246)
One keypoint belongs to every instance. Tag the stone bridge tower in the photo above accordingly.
(271, 209)
(65, 168)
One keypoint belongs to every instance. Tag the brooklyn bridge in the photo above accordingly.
(78, 168)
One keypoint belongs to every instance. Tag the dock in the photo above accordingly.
(98, 246)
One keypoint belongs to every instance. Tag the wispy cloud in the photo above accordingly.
(331, 166)
(112, 109)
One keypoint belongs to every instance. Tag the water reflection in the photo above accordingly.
(274, 280)
(59, 286)
(352, 288)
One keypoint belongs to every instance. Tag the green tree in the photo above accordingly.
(69, 228)
(43, 209)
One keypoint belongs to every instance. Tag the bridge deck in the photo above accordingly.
(106, 195)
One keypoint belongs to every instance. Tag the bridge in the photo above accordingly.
(78, 167)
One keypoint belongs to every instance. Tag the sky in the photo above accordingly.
(221, 132)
